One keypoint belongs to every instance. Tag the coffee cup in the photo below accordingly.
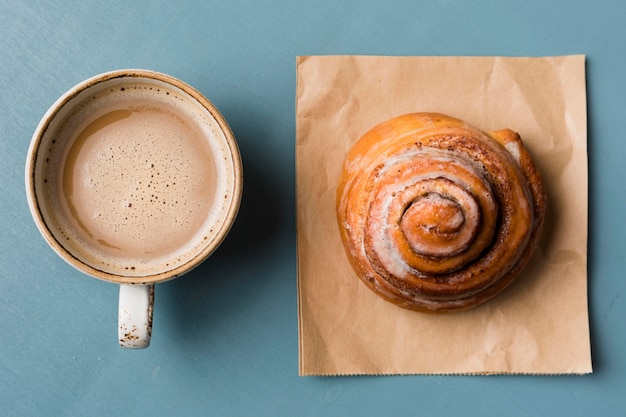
(133, 177)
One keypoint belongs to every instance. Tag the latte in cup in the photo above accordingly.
(136, 179)
(133, 177)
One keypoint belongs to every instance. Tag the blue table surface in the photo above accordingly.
(226, 335)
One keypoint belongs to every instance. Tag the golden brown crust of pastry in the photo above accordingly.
(436, 215)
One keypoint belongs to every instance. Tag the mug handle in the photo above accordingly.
(135, 315)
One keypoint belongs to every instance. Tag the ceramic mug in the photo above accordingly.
(135, 178)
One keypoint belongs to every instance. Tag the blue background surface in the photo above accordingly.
(225, 336)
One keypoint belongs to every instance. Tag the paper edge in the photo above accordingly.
(301, 367)
(449, 374)
(303, 58)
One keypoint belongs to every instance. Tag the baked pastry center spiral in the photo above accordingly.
(436, 225)
(436, 215)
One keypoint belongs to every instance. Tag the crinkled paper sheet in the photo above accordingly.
(539, 325)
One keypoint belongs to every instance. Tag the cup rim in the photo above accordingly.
(69, 257)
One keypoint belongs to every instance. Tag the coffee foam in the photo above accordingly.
(132, 184)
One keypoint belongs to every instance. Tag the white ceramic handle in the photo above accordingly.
(135, 315)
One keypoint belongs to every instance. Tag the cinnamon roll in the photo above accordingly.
(436, 215)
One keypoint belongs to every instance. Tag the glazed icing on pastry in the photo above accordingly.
(436, 215)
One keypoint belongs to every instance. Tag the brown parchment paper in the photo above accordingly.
(539, 325)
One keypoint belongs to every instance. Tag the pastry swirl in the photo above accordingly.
(436, 215)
